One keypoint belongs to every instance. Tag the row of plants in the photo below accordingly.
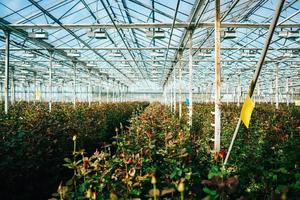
(265, 157)
(160, 157)
(33, 142)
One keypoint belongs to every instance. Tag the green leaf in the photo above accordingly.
(212, 193)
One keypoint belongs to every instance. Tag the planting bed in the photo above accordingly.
(33, 142)
(158, 157)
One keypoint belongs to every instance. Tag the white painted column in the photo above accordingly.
(276, 87)
(13, 91)
(217, 139)
(6, 80)
(99, 94)
(174, 90)
(107, 93)
(190, 77)
(50, 80)
(89, 88)
(180, 84)
(239, 90)
(287, 92)
(74, 86)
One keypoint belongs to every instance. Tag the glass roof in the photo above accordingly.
(129, 57)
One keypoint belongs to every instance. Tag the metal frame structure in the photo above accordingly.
(192, 40)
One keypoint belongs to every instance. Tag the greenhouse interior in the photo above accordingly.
(149, 99)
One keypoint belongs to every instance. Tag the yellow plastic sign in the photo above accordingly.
(297, 102)
(37, 95)
(247, 111)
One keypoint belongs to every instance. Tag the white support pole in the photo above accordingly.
(50, 80)
(119, 93)
(271, 92)
(63, 91)
(41, 91)
(276, 87)
(180, 84)
(1, 90)
(258, 93)
(171, 97)
(89, 89)
(174, 90)
(99, 94)
(113, 92)
(287, 92)
(35, 88)
(227, 93)
(107, 93)
(6, 80)
(206, 93)
(258, 67)
(13, 92)
(74, 86)
(239, 91)
(27, 89)
(217, 139)
(190, 77)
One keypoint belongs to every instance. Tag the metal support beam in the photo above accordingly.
(190, 78)
(287, 92)
(174, 91)
(180, 84)
(74, 85)
(89, 89)
(34, 89)
(258, 67)
(13, 89)
(6, 81)
(50, 80)
(151, 25)
(107, 93)
(239, 91)
(217, 138)
(147, 49)
(276, 86)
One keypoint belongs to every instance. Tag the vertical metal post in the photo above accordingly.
(74, 86)
(107, 93)
(99, 94)
(271, 92)
(34, 88)
(287, 92)
(24, 89)
(276, 86)
(89, 89)
(258, 93)
(1, 85)
(227, 93)
(174, 90)
(6, 81)
(258, 67)
(13, 92)
(113, 92)
(239, 90)
(165, 95)
(190, 77)
(63, 91)
(41, 91)
(28, 94)
(217, 77)
(50, 80)
(180, 84)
